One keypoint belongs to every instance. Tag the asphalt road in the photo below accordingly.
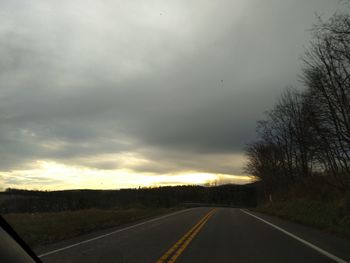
(204, 235)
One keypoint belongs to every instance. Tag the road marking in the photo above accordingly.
(181, 240)
(320, 250)
(111, 233)
(177, 249)
(188, 241)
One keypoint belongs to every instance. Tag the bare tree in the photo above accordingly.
(308, 132)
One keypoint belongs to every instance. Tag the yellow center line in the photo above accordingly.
(184, 241)
(181, 240)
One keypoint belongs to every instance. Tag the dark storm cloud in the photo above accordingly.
(183, 90)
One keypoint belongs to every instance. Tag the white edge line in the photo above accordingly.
(111, 233)
(320, 250)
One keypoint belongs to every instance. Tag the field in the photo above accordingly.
(43, 228)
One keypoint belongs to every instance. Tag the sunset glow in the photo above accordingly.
(48, 175)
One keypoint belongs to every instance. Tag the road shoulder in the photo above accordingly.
(327, 241)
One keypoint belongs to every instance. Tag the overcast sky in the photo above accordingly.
(150, 88)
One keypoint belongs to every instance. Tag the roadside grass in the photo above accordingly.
(330, 212)
(43, 228)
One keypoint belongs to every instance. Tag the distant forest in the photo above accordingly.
(26, 201)
(306, 136)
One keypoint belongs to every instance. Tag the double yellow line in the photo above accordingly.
(176, 250)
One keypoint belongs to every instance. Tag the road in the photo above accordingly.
(204, 235)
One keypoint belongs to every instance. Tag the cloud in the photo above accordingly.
(176, 85)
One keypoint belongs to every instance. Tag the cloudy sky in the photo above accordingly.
(112, 94)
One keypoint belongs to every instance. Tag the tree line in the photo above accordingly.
(307, 133)
(26, 201)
